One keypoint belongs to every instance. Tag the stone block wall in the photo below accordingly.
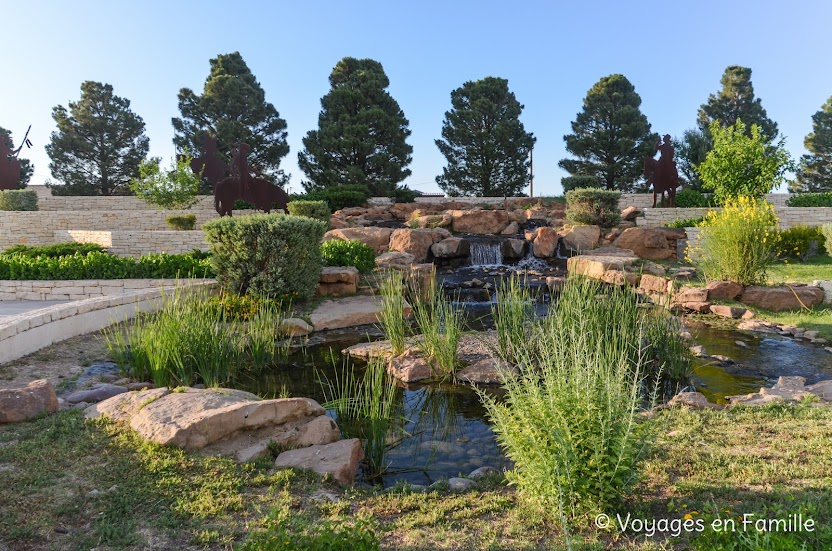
(788, 216)
(70, 203)
(137, 243)
(80, 289)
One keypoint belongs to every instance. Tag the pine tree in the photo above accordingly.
(361, 135)
(815, 171)
(610, 136)
(26, 167)
(233, 108)
(98, 146)
(691, 150)
(736, 101)
(485, 144)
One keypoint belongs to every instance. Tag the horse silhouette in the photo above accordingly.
(259, 192)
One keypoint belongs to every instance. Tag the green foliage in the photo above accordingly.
(270, 255)
(234, 307)
(815, 170)
(512, 314)
(691, 150)
(735, 102)
(348, 252)
(18, 199)
(339, 197)
(797, 242)
(740, 165)
(441, 326)
(391, 317)
(319, 210)
(691, 198)
(181, 221)
(97, 265)
(610, 136)
(576, 182)
(485, 145)
(176, 188)
(26, 166)
(289, 534)
(361, 135)
(686, 222)
(403, 194)
(593, 206)
(739, 242)
(56, 250)
(826, 231)
(822, 199)
(98, 145)
(233, 108)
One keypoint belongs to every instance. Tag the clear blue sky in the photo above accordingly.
(550, 52)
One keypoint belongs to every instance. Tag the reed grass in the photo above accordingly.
(391, 317)
(513, 315)
(441, 326)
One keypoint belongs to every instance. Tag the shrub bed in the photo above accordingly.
(796, 242)
(810, 200)
(319, 210)
(181, 221)
(98, 265)
(339, 252)
(270, 255)
(56, 250)
(339, 197)
(18, 199)
(593, 206)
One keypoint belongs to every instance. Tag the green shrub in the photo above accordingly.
(339, 197)
(175, 188)
(97, 265)
(403, 194)
(579, 182)
(690, 199)
(826, 231)
(348, 252)
(319, 210)
(181, 221)
(593, 206)
(796, 242)
(270, 255)
(18, 199)
(56, 250)
(686, 222)
(739, 242)
(236, 307)
(810, 200)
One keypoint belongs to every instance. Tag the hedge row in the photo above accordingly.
(97, 265)
(810, 200)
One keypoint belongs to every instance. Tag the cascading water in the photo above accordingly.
(486, 253)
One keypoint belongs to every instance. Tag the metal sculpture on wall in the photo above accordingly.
(662, 174)
(9, 164)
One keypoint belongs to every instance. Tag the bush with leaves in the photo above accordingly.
(18, 199)
(692, 199)
(181, 221)
(593, 206)
(269, 255)
(339, 197)
(800, 242)
(56, 250)
(577, 182)
(319, 210)
(97, 265)
(175, 188)
(349, 252)
(686, 222)
(403, 194)
(810, 200)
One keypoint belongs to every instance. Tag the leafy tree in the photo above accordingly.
(26, 167)
(233, 108)
(742, 163)
(815, 171)
(691, 150)
(610, 136)
(485, 144)
(176, 188)
(361, 135)
(734, 102)
(99, 144)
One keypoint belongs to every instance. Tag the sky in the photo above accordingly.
(551, 52)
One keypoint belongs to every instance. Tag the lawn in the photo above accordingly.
(816, 267)
(69, 484)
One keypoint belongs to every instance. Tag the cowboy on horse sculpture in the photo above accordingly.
(662, 173)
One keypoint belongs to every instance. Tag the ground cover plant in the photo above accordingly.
(97, 265)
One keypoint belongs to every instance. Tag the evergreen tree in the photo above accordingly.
(98, 146)
(26, 167)
(233, 108)
(361, 135)
(485, 144)
(610, 136)
(815, 171)
(691, 150)
(736, 101)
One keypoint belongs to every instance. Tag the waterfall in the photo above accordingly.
(486, 253)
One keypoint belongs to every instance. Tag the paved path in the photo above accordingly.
(14, 307)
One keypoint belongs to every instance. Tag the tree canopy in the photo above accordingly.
(98, 145)
(734, 102)
(484, 143)
(815, 171)
(233, 108)
(361, 135)
(610, 136)
(26, 167)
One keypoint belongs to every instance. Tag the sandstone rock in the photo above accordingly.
(396, 260)
(555, 283)
(377, 238)
(631, 213)
(692, 294)
(594, 266)
(339, 459)
(410, 367)
(123, 407)
(348, 312)
(698, 307)
(294, 327)
(653, 269)
(579, 239)
(335, 289)
(620, 277)
(727, 311)
(479, 221)
(23, 404)
(443, 220)
(694, 400)
(512, 229)
(140, 386)
(781, 298)
(545, 242)
(648, 243)
(451, 247)
(672, 233)
(460, 484)
(95, 394)
(723, 290)
(513, 248)
(488, 371)
(655, 284)
(759, 326)
(339, 274)
(416, 242)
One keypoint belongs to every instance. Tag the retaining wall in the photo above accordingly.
(137, 243)
(788, 216)
(78, 289)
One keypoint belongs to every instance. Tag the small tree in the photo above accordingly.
(176, 188)
(741, 164)
(815, 172)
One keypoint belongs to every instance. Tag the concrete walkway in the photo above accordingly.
(14, 307)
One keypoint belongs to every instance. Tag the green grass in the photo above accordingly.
(818, 319)
(816, 267)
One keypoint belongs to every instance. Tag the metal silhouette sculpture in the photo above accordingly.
(210, 163)
(9, 163)
(662, 174)
(242, 185)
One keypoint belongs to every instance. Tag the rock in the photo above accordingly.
(631, 213)
(28, 402)
(95, 394)
(513, 248)
(442, 220)
(395, 260)
(139, 386)
(692, 294)
(612, 235)
(742, 344)
(348, 312)
(579, 239)
(594, 266)
(620, 277)
(512, 229)
(451, 247)
(727, 311)
(819, 341)
(698, 351)
(377, 238)
(648, 243)
(545, 243)
(748, 315)
(416, 242)
(488, 371)
(338, 274)
(672, 233)
(479, 221)
(655, 284)
(811, 334)
(460, 484)
(294, 327)
(823, 389)
(335, 289)
(723, 290)
(653, 269)
(483, 471)
(123, 407)
(782, 298)
(410, 367)
(759, 326)
(698, 307)
(694, 400)
(339, 460)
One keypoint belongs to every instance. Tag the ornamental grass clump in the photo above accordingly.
(391, 317)
(441, 327)
(739, 242)
(512, 314)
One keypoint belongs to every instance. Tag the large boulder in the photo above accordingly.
(410, 367)
(416, 242)
(579, 239)
(395, 260)
(339, 460)
(595, 266)
(348, 312)
(631, 213)
(723, 290)
(337, 280)
(783, 297)
(648, 243)
(377, 238)
(655, 284)
(23, 404)
(440, 220)
(513, 248)
(451, 247)
(545, 244)
(479, 222)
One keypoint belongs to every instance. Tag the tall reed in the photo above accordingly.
(391, 317)
(513, 315)
(441, 326)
